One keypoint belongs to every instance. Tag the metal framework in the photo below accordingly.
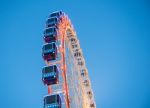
(65, 73)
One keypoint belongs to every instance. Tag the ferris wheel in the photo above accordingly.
(65, 73)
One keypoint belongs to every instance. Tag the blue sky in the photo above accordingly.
(114, 36)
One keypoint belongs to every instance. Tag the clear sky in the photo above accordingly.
(114, 36)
